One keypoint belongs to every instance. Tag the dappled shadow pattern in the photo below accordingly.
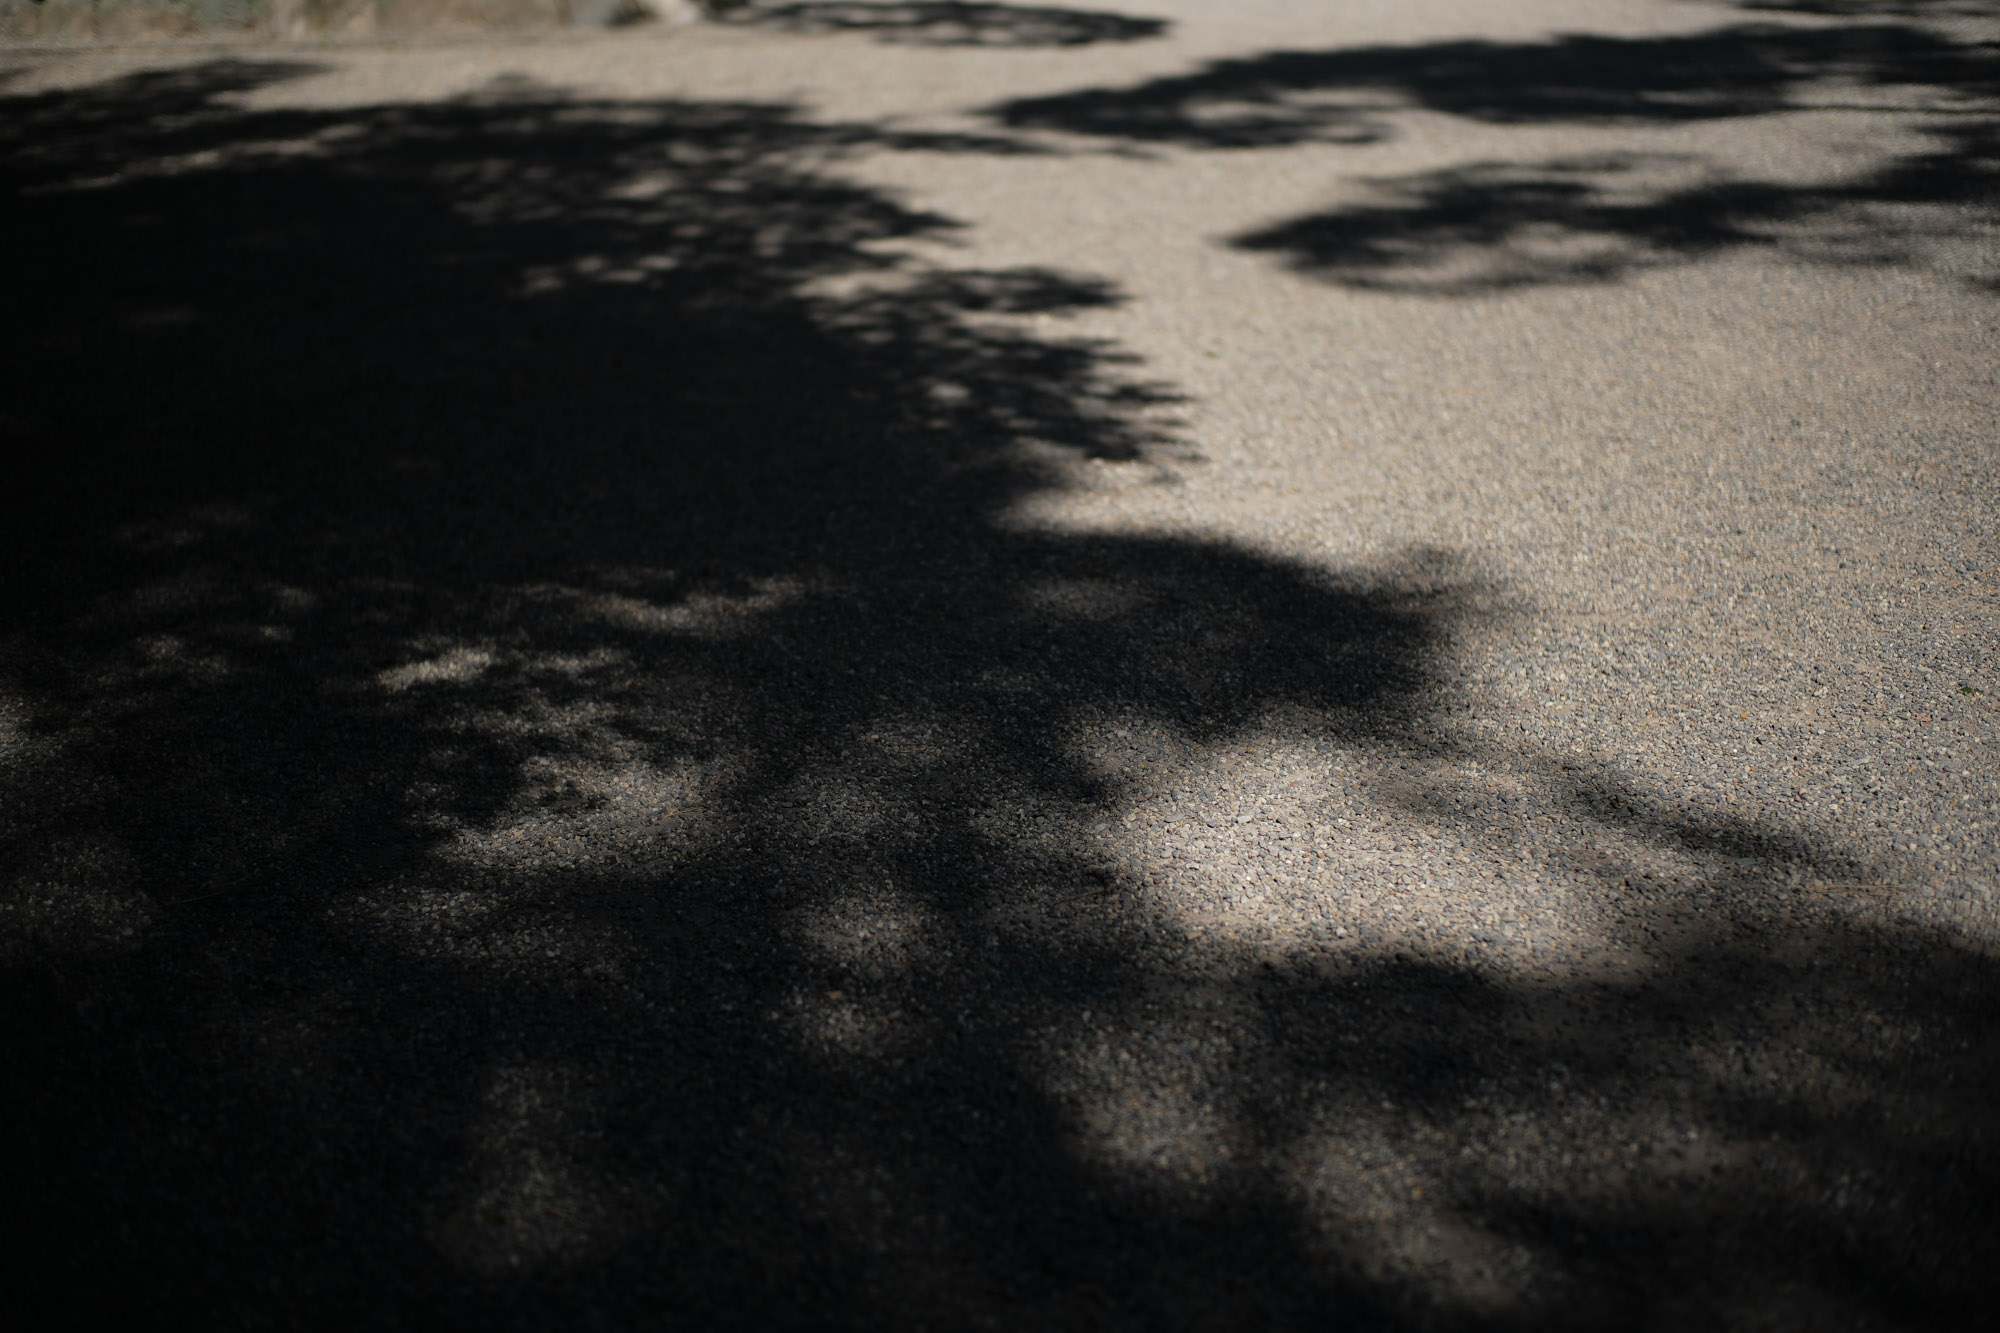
(1494, 226)
(1858, 8)
(949, 23)
(1345, 96)
(547, 782)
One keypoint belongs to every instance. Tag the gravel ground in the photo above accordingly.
(1249, 665)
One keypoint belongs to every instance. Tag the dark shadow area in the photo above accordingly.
(1872, 8)
(1494, 226)
(1344, 96)
(546, 785)
(947, 23)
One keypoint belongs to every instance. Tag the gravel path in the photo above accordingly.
(1180, 666)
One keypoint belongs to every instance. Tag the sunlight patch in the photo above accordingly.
(627, 816)
(842, 1024)
(1142, 1095)
(877, 931)
(703, 615)
(1372, 1200)
(527, 1200)
(170, 654)
(13, 728)
(455, 667)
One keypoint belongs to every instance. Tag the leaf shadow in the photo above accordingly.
(1495, 226)
(548, 779)
(951, 23)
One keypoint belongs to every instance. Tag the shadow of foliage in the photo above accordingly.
(1344, 96)
(1870, 8)
(949, 23)
(547, 780)
(1494, 226)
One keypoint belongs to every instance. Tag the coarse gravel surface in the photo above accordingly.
(1180, 665)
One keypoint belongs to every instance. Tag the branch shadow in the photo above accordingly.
(1345, 96)
(950, 23)
(1489, 226)
(1857, 8)
(1496, 226)
(547, 780)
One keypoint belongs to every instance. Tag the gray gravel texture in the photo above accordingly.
(1258, 665)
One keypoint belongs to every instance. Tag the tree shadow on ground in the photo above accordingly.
(1494, 225)
(1871, 8)
(1345, 96)
(547, 781)
(953, 24)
